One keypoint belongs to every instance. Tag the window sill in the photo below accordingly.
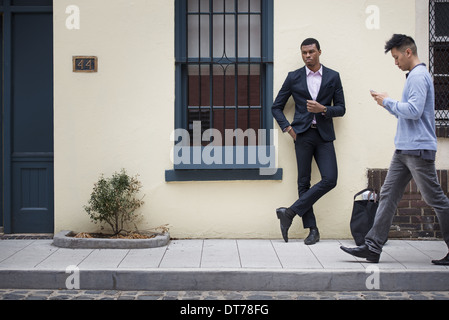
(223, 175)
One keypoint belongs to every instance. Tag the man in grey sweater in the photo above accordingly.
(416, 146)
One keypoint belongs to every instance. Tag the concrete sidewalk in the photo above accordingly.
(237, 265)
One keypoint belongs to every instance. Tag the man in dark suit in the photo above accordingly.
(318, 95)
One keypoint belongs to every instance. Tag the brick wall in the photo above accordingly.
(414, 219)
(442, 131)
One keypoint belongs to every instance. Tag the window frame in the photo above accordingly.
(436, 41)
(221, 172)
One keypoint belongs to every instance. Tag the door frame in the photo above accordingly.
(7, 10)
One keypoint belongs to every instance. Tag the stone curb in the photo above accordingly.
(204, 280)
(62, 240)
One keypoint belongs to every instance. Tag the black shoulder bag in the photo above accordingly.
(363, 213)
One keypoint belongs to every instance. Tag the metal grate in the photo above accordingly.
(224, 67)
(439, 58)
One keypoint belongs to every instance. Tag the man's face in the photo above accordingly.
(401, 59)
(311, 56)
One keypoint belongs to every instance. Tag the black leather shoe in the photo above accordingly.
(285, 215)
(442, 262)
(313, 237)
(362, 252)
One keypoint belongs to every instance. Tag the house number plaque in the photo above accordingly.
(85, 64)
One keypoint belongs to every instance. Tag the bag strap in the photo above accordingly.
(362, 191)
(367, 189)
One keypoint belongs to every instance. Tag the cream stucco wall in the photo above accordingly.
(122, 116)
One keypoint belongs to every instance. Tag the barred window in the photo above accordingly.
(224, 65)
(439, 58)
(224, 85)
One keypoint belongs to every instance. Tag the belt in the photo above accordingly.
(313, 126)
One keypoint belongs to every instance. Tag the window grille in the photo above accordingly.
(224, 72)
(439, 58)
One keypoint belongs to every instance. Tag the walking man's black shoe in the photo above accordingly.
(442, 262)
(362, 252)
(313, 237)
(285, 215)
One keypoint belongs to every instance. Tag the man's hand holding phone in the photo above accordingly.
(379, 97)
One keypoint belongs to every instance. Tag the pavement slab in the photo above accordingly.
(224, 264)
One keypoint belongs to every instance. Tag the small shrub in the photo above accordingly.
(114, 201)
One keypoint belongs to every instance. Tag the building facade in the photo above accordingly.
(180, 93)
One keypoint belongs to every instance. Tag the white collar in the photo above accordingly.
(320, 71)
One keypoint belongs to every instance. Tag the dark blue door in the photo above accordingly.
(28, 191)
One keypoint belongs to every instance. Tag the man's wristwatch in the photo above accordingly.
(325, 110)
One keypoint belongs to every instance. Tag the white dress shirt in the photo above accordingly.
(314, 84)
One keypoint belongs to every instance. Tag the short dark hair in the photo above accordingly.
(401, 42)
(310, 41)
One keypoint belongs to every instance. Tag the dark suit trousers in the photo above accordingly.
(310, 145)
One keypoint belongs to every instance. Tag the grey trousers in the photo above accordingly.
(402, 169)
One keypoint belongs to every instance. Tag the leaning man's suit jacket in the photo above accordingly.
(330, 95)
